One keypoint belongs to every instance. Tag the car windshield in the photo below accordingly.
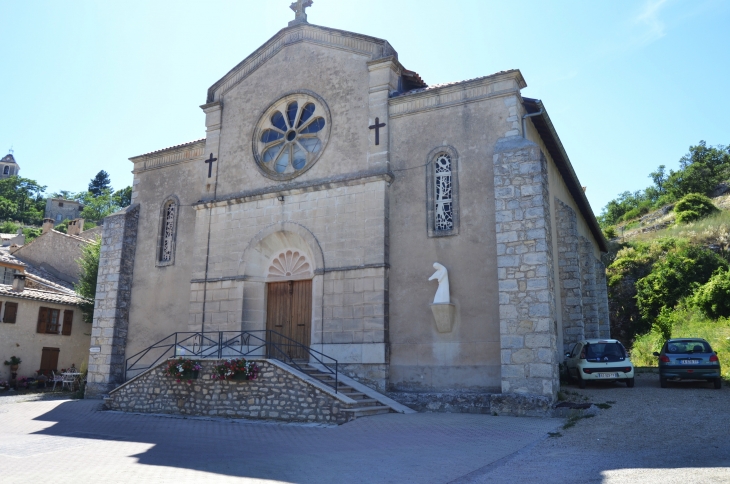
(688, 347)
(605, 352)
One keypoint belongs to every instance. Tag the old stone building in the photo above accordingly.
(59, 209)
(8, 166)
(329, 181)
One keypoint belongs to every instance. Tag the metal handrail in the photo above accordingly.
(225, 344)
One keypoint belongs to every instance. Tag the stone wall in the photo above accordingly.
(54, 252)
(527, 311)
(569, 274)
(278, 394)
(604, 324)
(588, 280)
(111, 308)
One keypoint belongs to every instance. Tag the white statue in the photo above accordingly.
(442, 293)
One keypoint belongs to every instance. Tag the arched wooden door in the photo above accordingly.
(289, 314)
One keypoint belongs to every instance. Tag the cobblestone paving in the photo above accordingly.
(73, 441)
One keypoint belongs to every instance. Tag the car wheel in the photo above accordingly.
(718, 383)
(662, 382)
(581, 382)
(630, 382)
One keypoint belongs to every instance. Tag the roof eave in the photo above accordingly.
(545, 128)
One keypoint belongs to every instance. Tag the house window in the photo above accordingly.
(68, 319)
(11, 312)
(49, 321)
(58, 217)
(442, 190)
(167, 232)
(6, 275)
(60, 204)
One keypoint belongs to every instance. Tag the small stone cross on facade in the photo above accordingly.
(377, 127)
(210, 161)
(300, 8)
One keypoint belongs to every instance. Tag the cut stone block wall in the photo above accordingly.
(276, 395)
(588, 279)
(111, 307)
(570, 276)
(527, 312)
(604, 323)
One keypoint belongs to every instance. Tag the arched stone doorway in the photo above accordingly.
(283, 271)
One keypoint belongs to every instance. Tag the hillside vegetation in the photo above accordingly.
(669, 274)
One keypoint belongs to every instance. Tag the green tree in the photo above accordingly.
(86, 287)
(674, 277)
(8, 209)
(701, 170)
(694, 207)
(9, 227)
(123, 197)
(28, 195)
(713, 298)
(99, 183)
(98, 207)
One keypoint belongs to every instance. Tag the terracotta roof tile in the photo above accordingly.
(170, 148)
(39, 295)
(447, 84)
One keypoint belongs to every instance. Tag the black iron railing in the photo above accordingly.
(232, 344)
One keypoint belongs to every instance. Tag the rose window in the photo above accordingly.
(291, 135)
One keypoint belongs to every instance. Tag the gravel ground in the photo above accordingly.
(649, 434)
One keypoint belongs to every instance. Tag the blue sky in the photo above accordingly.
(629, 85)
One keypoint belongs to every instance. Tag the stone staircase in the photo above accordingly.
(365, 405)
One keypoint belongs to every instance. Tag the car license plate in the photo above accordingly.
(689, 362)
(607, 375)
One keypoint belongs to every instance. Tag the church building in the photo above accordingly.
(330, 181)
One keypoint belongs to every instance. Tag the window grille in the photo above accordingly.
(444, 208)
(168, 235)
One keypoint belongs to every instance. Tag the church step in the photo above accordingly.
(367, 411)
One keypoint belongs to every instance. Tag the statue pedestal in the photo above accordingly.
(444, 315)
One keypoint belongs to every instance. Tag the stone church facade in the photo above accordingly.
(329, 181)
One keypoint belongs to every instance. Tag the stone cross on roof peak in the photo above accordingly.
(300, 8)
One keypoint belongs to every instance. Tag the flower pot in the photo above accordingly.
(189, 375)
(239, 377)
(14, 368)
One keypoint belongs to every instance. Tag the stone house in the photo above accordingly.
(40, 321)
(55, 252)
(59, 209)
(330, 179)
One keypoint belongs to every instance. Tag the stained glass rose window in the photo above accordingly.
(291, 135)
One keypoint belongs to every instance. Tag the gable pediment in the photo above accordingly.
(370, 47)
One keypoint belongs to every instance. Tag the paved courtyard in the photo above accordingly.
(644, 434)
(73, 441)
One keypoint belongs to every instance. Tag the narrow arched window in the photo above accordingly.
(168, 230)
(6, 170)
(444, 209)
(442, 193)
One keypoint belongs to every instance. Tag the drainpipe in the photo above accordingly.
(524, 119)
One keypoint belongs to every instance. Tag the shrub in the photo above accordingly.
(675, 276)
(9, 227)
(713, 298)
(694, 207)
(610, 232)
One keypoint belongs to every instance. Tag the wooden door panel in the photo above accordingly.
(301, 315)
(289, 313)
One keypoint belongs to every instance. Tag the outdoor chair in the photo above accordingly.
(69, 379)
(56, 379)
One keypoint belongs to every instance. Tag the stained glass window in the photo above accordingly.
(168, 233)
(443, 190)
(292, 134)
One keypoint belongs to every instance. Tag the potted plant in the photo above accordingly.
(183, 369)
(13, 363)
(235, 369)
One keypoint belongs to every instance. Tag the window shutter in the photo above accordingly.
(11, 311)
(42, 320)
(68, 318)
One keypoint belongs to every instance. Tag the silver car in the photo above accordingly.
(688, 359)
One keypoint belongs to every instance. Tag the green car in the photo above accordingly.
(688, 359)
